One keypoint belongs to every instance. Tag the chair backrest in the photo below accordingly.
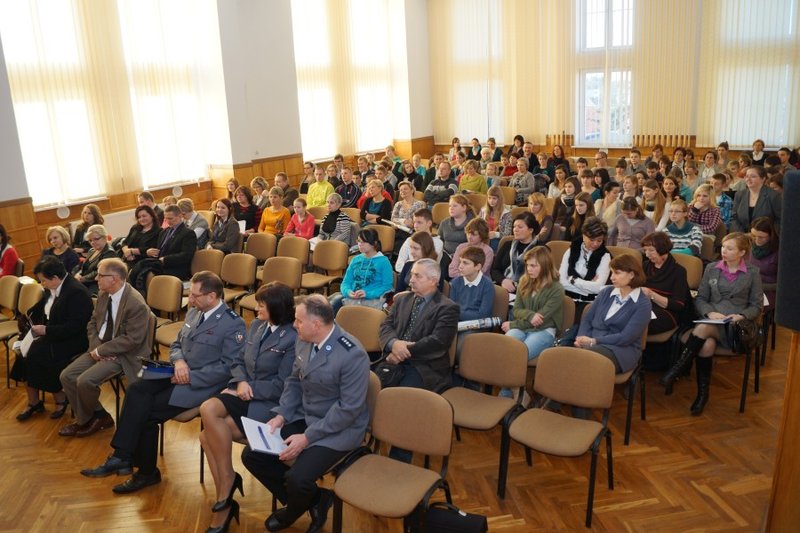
(210, 260)
(419, 195)
(165, 294)
(504, 240)
(386, 234)
(509, 195)
(363, 323)
(354, 229)
(296, 247)
(616, 251)
(575, 376)
(372, 395)
(354, 213)
(500, 306)
(707, 251)
(261, 246)
(493, 359)
(19, 270)
(558, 232)
(29, 294)
(9, 293)
(208, 215)
(550, 204)
(318, 212)
(152, 345)
(331, 255)
(557, 251)
(287, 270)
(517, 209)
(414, 419)
(239, 269)
(694, 269)
(477, 200)
(568, 313)
(439, 212)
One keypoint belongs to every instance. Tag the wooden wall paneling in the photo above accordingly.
(19, 220)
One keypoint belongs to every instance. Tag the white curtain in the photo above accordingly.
(106, 93)
(344, 78)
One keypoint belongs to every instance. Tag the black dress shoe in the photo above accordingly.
(138, 482)
(30, 411)
(113, 465)
(319, 511)
(58, 413)
(278, 520)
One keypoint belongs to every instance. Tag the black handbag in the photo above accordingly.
(389, 374)
(745, 336)
(442, 517)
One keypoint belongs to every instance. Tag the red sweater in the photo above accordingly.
(8, 261)
(303, 229)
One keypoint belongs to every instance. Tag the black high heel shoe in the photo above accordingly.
(223, 504)
(232, 513)
(58, 413)
(30, 411)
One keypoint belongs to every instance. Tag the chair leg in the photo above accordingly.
(458, 433)
(337, 514)
(757, 368)
(590, 500)
(774, 333)
(502, 472)
(447, 495)
(8, 368)
(528, 458)
(643, 395)
(745, 381)
(202, 459)
(631, 394)
(765, 326)
(161, 436)
(610, 460)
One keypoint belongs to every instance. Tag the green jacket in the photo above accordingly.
(548, 301)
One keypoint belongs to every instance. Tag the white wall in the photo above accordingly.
(260, 79)
(12, 171)
(419, 77)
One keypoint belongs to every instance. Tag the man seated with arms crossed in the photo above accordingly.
(117, 338)
(202, 355)
(322, 415)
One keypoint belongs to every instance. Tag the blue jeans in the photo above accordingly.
(535, 341)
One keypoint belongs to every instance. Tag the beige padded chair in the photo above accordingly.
(261, 246)
(477, 201)
(29, 294)
(694, 269)
(239, 275)
(117, 385)
(498, 361)
(19, 270)
(165, 295)
(184, 417)
(419, 195)
(707, 252)
(363, 323)
(286, 270)
(557, 251)
(439, 212)
(318, 212)
(509, 195)
(567, 321)
(616, 251)
(517, 209)
(210, 260)
(208, 215)
(296, 247)
(385, 487)
(9, 293)
(331, 258)
(500, 306)
(354, 213)
(576, 377)
(386, 234)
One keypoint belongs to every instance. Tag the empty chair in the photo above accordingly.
(9, 293)
(331, 258)
(164, 295)
(296, 247)
(364, 324)
(262, 246)
(286, 270)
(239, 275)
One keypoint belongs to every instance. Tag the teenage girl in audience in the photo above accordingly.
(231, 185)
(257, 376)
(539, 306)
(8, 254)
(493, 175)
(671, 187)
(368, 276)
(559, 157)
(756, 200)
(336, 225)
(565, 204)
(455, 148)
(686, 237)
(452, 230)
(308, 176)
(523, 181)
(665, 166)
(585, 266)
(555, 189)
(544, 166)
(478, 236)
(703, 211)
(408, 173)
(723, 201)
(496, 215)
(630, 185)
(666, 284)
(406, 206)
(584, 208)
(275, 218)
(601, 177)
(90, 215)
(508, 265)
(764, 256)
(691, 180)
(421, 246)
(471, 181)
(474, 151)
(655, 206)
(631, 226)
(609, 207)
(101, 249)
(736, 171)
(587, 184)
(458, 164)
(620, 171)
(302, 223)
(537, 206)
(224, 233)
(731, 290)
(494, 150)
(245, 209)
(142, 236)
(260, 188)
(376, 207)
(58, 237)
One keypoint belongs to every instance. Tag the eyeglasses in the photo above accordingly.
(195, 296)
(101, 275)
(95, 239)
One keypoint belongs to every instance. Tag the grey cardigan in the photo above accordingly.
(744, 296)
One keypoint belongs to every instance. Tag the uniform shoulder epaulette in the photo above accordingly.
(232, 313)
(347, 343)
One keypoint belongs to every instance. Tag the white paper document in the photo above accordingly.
(713, 321)
(260, 439)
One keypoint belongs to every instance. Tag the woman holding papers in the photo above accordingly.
(730, 291)
(255, 388)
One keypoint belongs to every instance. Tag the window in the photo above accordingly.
(605, 108)
(605, 23)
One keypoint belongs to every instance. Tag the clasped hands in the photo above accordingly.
(294, 443)
(400, 352)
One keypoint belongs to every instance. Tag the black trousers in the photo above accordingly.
(296, 487)
(146, 405)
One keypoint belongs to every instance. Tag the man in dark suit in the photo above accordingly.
(419, 330)
(117, 338)
(322, 415)
(202, 356)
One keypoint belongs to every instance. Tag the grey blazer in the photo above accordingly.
(265, 366)
(744, 296)
(209, 350)
(767, 205)
(330, 392)
(199, 223)
(432, 335)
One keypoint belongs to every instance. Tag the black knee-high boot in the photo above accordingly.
(684, 362)
(703, 384)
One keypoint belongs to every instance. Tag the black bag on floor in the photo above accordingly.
(443, 517)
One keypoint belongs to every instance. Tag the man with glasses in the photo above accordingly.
(211, 337)
(117, 338)
(601, 161)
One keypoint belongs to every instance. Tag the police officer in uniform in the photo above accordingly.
(212, 336)
(322, 415)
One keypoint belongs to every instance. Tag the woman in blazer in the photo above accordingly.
(225, 232)
(614, 324)
(255, 388)
(754, 201)
(99, 250)
(60, 318)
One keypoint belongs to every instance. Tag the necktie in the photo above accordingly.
(166, 240)
(415, 309)
(265, 335)
(619, 301)
(202, 319)
(109, 331)
(314, 351)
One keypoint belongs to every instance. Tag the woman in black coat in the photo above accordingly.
(99, 250)
(143, 235)
(59, 324)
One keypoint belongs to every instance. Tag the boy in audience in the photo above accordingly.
(430, 174)
(348, 190)
(472, 291)
(423, 221)
(290, 194)
(658, 152)
(635, 161)
(581, 165)
(652, 172)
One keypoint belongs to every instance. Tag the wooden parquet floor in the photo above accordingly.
(680, 473)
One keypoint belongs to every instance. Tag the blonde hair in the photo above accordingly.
(61, 231)
(497, 211)
(547, 275)
(709, 190)
(538, 198)
(743, 241)
(376, 183)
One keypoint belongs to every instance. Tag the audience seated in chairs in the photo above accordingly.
(90, 215)
(59, 240)
(508, 265)
(686, 237)
(302, 224)
(477, 231)
(423, 222)
(368, 276)
(142, 236)
(225, 231)
(472, 290)
(275, 217)
(147, 198)
(118, 337)
(420, 246)
(336, 225)
(496, 215)
(194, 221)
(584, 269)
(245, 209)
(100, 249)
(631, 226)
(665, 284)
